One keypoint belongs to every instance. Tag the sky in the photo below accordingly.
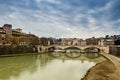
(63, 18)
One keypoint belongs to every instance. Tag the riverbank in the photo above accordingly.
(17, 49)
(21, 54)
(104, 71)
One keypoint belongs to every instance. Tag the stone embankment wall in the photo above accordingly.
(17, 49)
(114, 50)
(101, 71)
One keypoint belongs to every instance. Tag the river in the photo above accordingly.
(47, 66)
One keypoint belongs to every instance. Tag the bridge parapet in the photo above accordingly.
(45, 48)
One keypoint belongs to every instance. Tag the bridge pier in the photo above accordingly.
(105, 49)
(41, 49)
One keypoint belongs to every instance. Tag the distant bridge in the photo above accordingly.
(65, 47)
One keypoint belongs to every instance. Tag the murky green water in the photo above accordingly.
(46, 67)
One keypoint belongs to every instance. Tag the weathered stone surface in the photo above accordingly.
(103, 71)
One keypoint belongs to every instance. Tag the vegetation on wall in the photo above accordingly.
(15, 49)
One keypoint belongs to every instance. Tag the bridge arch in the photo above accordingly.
(51, 49)
(92, 49)
(72, 52)
(72, 47)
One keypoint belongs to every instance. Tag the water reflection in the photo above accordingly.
(73, 55)
(44, 67)
(92, 55)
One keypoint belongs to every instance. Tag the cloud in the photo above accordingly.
(63, 18)
(38, 1)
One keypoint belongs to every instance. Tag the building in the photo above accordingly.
(83, 42)
(8, 29)
(2, 36)
(109, 40)
(106, 42)
(9, 36)
(47, 41)
(70, 41)
(92, 41)
(5, 34)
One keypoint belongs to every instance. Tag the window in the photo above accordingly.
(3, 38)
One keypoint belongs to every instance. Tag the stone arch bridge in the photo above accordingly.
(41, 49)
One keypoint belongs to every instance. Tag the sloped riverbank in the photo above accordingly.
(104, 71)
